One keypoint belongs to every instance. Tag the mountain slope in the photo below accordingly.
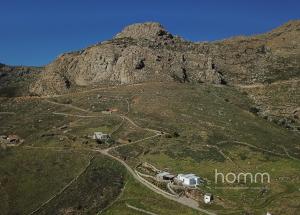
(140, 53)
(15, 80)
(260, 59)
(147, 52)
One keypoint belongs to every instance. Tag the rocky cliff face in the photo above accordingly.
(147, 52)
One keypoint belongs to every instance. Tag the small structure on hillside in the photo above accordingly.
(189, 179)
(165, 176)
(106, 112)
(101, 137)
(110, 110)
(11, 139)
(208, 197)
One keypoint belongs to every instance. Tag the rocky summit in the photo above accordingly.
(149, 30)
(147, 52)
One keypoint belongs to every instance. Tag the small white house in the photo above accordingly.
(101, 136)
(189, 179)
(208, 197)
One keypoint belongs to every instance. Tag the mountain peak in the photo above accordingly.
(146, 30)
(153, 56)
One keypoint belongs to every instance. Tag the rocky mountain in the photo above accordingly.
(140, 53)
(147, 52)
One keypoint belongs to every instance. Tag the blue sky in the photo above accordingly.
(34, 32)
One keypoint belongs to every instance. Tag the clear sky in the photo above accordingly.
(34, 32)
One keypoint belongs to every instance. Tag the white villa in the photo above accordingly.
(189, 179)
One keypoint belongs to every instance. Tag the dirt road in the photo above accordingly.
(182, 200)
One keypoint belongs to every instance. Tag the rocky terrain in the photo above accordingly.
(15, 80)
(265, 58)
(147, 52)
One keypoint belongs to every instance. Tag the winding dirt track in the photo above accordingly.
(182, 200)
(63, 189)
(140, 210)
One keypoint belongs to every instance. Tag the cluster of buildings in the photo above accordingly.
(189, 180)
(185, 179)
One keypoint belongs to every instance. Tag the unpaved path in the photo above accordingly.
(250, 86)
(63, 189)
(137, 141)
(140, 210)
(114, 201)
(67, 105)
(7, 113)
(182, 200)
(288, 154)
(225, 156)
(76, 115)
(258, 148)
(138, 126)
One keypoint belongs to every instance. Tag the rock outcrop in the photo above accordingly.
(149, 30)
(15, 80)
(262, 58)
(147, 52)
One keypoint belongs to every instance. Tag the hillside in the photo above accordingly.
(146, 52)
(211, 128)
(15, 80)
(178, 106)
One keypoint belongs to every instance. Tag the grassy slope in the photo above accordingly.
(209, 115)
(93, 191)
(30, 177)
(202, 115)
(278, 99)
(138, 196)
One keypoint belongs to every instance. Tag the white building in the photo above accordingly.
(208, 197)
(101, 136)
(189, 179)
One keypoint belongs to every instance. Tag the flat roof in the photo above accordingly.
(190, 175)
